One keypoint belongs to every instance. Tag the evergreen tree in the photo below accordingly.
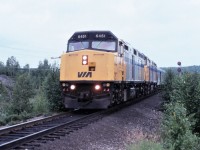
(4, 95)
(2, 68)
(40, 103)
(40, 73)
(168, 82)
(21, 94)
(12, 66)
(176, 128)
(187, 91)
(26, 69)
(53, 91)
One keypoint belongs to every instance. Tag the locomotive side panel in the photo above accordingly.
(146, 74)
(160, 74)
(119, 70)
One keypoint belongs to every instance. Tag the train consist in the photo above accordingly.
(99, 70)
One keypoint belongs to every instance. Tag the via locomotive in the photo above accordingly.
(99, 70)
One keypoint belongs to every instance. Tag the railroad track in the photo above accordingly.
(14, 136)
(32, 134)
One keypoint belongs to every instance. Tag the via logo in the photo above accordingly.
(84, 74)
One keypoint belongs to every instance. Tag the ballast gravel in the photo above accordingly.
(129, 125)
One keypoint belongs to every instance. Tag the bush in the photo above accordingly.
(4, 104)
(21, 94)
(40, 104)
(4, 95)
(3, 117)
(176, 128)
(186, 89)
(53, 91)
(168, 82)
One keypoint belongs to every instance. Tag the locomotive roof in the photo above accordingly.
(89, 35)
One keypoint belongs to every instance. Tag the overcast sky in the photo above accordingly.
(166, 31)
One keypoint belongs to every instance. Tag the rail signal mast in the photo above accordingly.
(179, 67)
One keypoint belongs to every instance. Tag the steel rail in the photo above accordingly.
(31, 137)
(8, 129)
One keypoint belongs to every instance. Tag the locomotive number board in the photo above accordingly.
(93, 36)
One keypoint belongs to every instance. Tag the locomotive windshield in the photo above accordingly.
(96, 40)
(104, 45)
(73, 46)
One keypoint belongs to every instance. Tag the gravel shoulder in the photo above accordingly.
(116, 131)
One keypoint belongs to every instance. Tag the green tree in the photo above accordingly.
(21, 94)
(2, 68)
(4, 95)
(12, 66)
(53, 91)
(4, 103)
(186, 89)
(40, 103)
(40, 73)
(26, 66)
(176, 128)
(168, 82)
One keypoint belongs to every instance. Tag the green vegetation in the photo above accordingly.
(169, 79)
(37, 91)
(22, 92)
(33, 92)
(177, 128)
(53, 91)
(146, 145)
(180, 126)
(39, 103)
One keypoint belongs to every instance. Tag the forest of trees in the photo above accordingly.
(31, 93)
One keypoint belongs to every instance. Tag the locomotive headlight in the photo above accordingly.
(97, 87)
(84, 62)
(72, 87)
(84, 59)
(63, 84)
